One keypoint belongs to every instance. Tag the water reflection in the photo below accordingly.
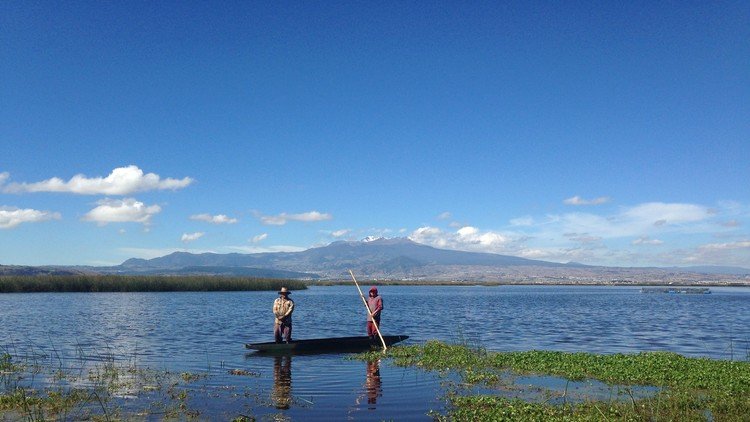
(373, 384)
(281, 395)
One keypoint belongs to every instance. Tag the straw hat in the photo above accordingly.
(284, 291)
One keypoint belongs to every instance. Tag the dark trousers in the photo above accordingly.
(284, 329)
(371, 331)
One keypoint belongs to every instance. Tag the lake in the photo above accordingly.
(206, 332)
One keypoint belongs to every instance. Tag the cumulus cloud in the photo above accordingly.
(11, 217)
(189, 237)
(3, 177)
(259, 238)
(122, 181)
(444, 216)
(465, 238)
(622, 237)
(340, 233)
(577, 200)
(283, 218)
(122, 211)
(645, 240)
(214, 219)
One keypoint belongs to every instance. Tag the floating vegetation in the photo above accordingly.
(130, 283)
(243, 372)
(688, 388)
(677, 290)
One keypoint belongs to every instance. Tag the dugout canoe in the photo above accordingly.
(325, 345)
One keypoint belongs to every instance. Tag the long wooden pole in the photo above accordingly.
(369, 312)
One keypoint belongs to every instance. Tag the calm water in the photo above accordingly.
(205, 332)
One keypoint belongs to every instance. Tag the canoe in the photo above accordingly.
(325, 345)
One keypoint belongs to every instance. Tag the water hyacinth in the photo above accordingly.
(689, 388)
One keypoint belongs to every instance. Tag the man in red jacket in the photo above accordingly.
(375, 303)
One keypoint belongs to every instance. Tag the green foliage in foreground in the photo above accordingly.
(693, 388)
(126, 283)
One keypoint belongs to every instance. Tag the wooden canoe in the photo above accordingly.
(325, 345)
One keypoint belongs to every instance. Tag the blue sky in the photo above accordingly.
(607, 134)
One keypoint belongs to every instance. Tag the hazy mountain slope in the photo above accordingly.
(389, 258)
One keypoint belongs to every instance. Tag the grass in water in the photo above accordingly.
(692, 389)
(128, 283)
(100, 391)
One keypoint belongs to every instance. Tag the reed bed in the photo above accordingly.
(137, 283)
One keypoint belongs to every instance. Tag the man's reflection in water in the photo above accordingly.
(282, 382)
(373, 386)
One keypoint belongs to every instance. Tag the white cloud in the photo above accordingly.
(122, 211)
(214, 219)
(582, 237)
(577, 200)
(639, 220)
(259, 238)
(617, 238)
(340, 233)
(522, 221)
(283, 218)
(465, 238)
(122, 181)
(11, 217)
(645, 240)
(578, 254)
(3, 177)
(444, 216)
(257, 249)
(659, 213)
(189, 237)
(731, 253)
(745, 244)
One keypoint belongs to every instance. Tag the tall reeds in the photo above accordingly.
(138, 283)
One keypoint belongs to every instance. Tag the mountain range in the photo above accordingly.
(404, 259)
(382, 258)
(401, 259)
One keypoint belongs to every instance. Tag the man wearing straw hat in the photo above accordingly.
(282, 309)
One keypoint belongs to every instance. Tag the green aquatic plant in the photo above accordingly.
(93, 391)
(6, 363)
(689, 388)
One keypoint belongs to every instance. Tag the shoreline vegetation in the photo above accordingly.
(127, 283)
(586, 283)
(83, 283)
(687, 389)
(112, 388)
(38, 389)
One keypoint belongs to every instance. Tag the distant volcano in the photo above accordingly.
(371, 257)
